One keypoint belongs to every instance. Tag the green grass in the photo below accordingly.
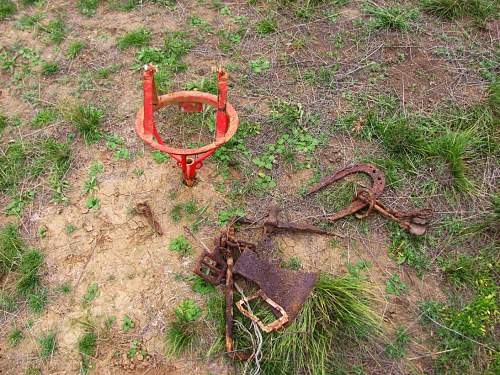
(336, 307)
(292, 263)
(87, 347)
(28, 270)
(11, 248)
(394, 285)
(392, 17)
(44, 117)
(181, 246)
(137, 38)
(49, 68)
(127, 323)
(397, 348)
(15, 337)
(7, 9)
(182, 332)
(7, 303)
(48, 344)
(37, 300)
(259, 65)
(74, 49)
(480, 10)
(55, 30)
(88, 7)
(92, 293)
(88, 121)
(266, 26)
(200, 286)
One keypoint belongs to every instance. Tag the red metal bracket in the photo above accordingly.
(226, 121)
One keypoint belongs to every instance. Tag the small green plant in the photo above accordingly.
(74, 49)
(93, 203)
(49, 68)
(293, 263)
(176, 213)
(200, 286)
(224, 216)
(127, 323)
(393, 17)
(266, 26)
(480, 10)
(87, 120)
(29, 265)
(44, 117)
(7, 303)
(136, 38)
(38, 300)
(70, 228)
(259, 65)
(182, 333)
(394, 285)
(159, 157)
(48, 344)
(87, 345)
(180, 245)
(15, 336)
(55, 30)
(65, 288)
(11, 248)
(88, 7)
(92, 292)
(7, 9)
(397, 348)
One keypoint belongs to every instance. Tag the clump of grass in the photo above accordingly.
(87, 345)
(136, 38)
(182, 332)
(337, 306)
(92, 293)
(293, 263)
(11, 248)
(29, 278)
(181, 246)
(200, 286)
(266, 26)
(55, 30)
(481, 10)
(127, 323)
(87, 120)
(49, 68)
(393, 17)
(3, 122)
(7, 9)
(74, 49)
(7, 303)
(44, 117)
(397, 348)
(15, 336)
(37, 300)
(88, 7)
(48, 344)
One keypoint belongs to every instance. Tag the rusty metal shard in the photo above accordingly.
(287, 288)
(144, 209)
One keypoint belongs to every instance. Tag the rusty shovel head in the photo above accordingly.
(289, 289)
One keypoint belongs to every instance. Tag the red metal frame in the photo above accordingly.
(226, 121)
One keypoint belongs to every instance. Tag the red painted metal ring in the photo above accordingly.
(188, 97)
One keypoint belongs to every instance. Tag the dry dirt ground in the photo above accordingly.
(113, 247)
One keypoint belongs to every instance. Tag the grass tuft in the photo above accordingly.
(88, 7)
(11, 248)
(29, 265)
(480, 10)
(87, 120)
(7, 9)
(393, 17)
(181, 245)
(182, 332)
(266, 26)
(137, 38)
(48, 344)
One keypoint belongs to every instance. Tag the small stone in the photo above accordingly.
(140, 357)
